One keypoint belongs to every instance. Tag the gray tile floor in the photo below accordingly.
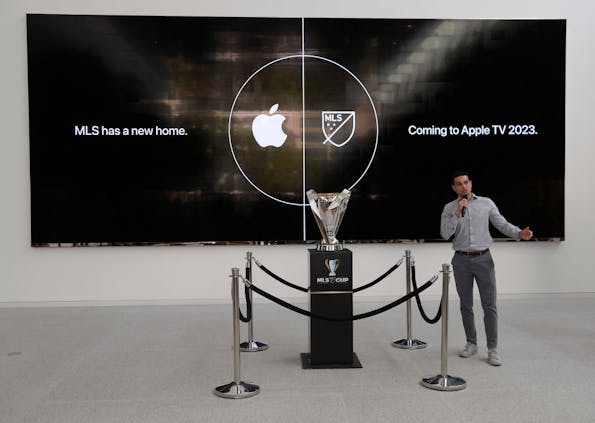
(161, 363)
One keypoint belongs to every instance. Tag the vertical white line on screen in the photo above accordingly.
(303, 134)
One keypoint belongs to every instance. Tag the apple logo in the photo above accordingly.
(267, 129)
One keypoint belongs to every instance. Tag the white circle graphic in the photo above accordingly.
(267, 65)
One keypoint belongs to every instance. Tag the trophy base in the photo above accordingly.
(307, 363)
(329, 247)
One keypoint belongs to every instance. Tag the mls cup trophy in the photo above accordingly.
(328, 209)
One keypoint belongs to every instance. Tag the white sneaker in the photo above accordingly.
(469, 350)
(494, 358)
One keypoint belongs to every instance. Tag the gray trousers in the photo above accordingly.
(480, 268)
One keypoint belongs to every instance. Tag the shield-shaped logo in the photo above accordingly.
(338, 127)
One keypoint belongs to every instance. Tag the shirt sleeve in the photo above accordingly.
(502, 224)
(448, 222)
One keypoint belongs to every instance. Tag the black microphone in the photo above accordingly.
(464, 209)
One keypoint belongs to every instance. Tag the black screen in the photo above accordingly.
(147, 130)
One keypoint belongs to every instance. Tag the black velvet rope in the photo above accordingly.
(343, 319)
(248, 307)
(248, 302)
(418, 301)
(268, 272)
(381, 277)
(360, 288)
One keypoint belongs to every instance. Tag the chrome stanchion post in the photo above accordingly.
(236, 389)
(444, 381)
(251, 345)
(409, 343)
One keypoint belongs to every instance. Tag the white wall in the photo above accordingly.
(180, 274)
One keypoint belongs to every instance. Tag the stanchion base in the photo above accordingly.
(253, 346)
(237, 391)
(444, 383)
(409, 344)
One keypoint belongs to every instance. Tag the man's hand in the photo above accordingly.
(463, 202)
(526, 234)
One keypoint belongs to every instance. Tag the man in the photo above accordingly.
(468, 218)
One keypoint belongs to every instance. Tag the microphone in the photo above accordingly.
(464, 209)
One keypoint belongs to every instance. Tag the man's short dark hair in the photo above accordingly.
(459, 173)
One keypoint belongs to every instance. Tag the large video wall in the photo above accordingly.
(171, 130)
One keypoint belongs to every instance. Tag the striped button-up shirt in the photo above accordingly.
(472, 232)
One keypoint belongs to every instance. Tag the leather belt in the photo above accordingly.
(473, 253)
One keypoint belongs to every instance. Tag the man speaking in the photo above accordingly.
(468, 218)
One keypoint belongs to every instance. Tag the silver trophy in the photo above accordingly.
(328, 209)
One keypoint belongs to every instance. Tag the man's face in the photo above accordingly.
(462, 185)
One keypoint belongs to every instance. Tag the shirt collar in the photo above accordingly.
(473, 197)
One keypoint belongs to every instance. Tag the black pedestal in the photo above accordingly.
(331, 343)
